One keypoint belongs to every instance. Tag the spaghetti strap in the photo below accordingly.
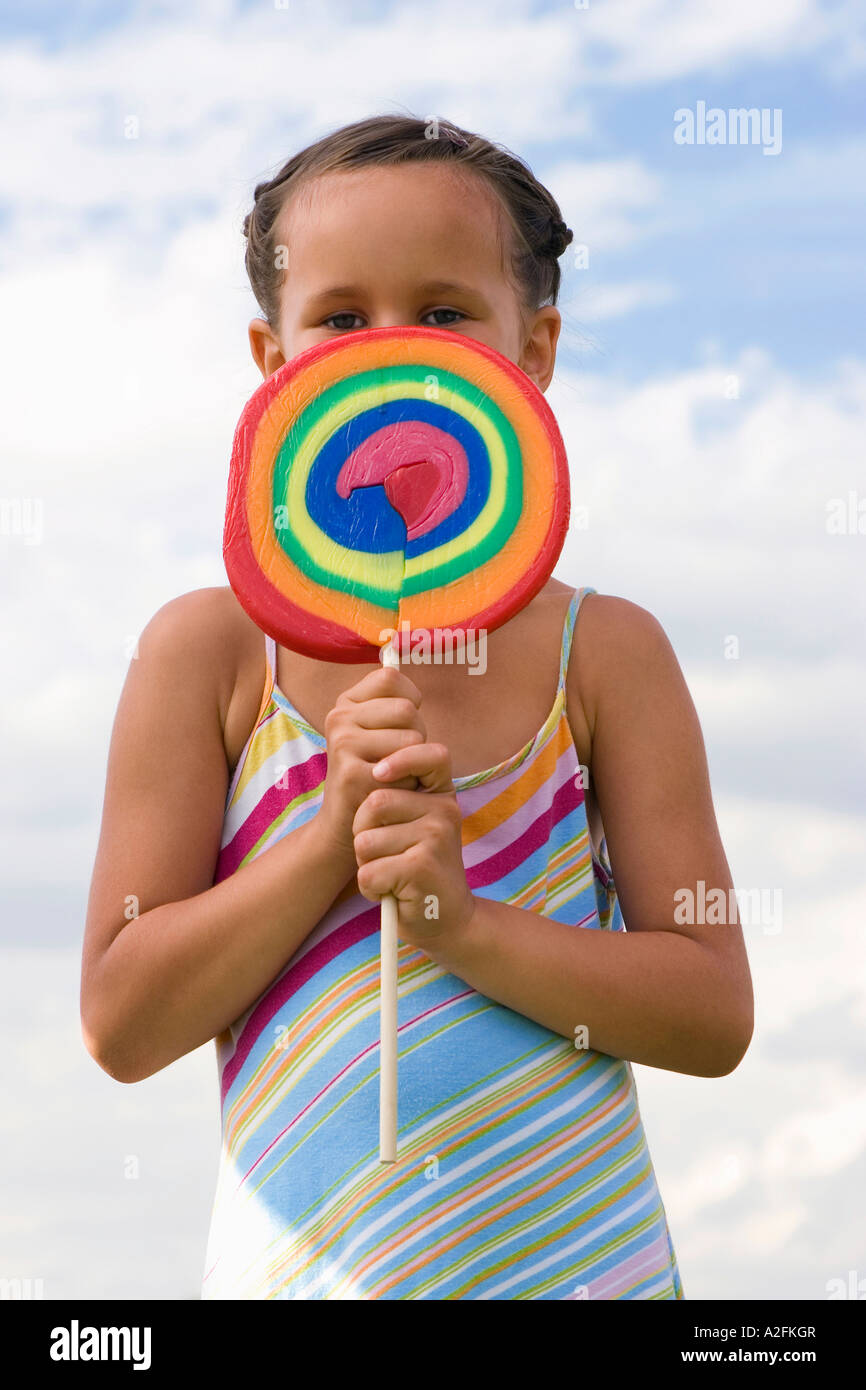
(568, 631)
(270, 675)
(271, 660)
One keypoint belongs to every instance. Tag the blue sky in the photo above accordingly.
(756, 247)
(125, 362)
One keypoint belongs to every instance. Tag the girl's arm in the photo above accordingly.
(671, 995)
(158, 984)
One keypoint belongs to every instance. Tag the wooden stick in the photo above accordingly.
(388, 1006)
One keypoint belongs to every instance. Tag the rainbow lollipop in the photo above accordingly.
(386, 482)
(393, 475)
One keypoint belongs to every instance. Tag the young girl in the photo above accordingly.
(259, 804)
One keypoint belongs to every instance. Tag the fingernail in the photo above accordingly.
(382, 769)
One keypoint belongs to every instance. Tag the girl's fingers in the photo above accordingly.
(391, 712)
(394, 807)
(384, 682)
(378, 878)
(429, 762)
(383, 841)
(374, 744)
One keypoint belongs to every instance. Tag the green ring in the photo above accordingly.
(438, 575)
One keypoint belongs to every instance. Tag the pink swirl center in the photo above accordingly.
(424, 470)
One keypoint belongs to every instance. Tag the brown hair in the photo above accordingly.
(540, 235)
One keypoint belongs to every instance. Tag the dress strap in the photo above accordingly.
(271, 659)
(270, 673)
(568, 631)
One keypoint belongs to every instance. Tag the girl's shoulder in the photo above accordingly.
(621, 658)
(612, 627)
(224, 650)
(240, 655)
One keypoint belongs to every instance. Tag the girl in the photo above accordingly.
(259, 804)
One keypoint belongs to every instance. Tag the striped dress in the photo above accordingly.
(523, 1170)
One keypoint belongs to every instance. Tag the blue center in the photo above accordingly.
(367, 514)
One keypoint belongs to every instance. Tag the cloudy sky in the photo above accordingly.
(711, 388)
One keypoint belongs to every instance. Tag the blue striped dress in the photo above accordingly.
(523, 1170)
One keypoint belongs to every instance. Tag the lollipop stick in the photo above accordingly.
(388, 1007)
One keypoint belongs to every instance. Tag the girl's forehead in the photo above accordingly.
(420, 197)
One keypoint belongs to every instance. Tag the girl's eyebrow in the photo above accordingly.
(334, 292)
(353, 291)
(446, 287)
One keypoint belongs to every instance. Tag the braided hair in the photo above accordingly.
(539, 234)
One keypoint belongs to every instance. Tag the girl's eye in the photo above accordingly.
(442, 324)
(332, 319)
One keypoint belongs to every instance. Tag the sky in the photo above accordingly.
(711, 390)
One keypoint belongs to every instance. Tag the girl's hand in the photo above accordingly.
(409, 843)
(370, 720)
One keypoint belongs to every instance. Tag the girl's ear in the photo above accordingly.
(538, 356)
(265, 347)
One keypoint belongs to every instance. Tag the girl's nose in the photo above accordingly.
(391, 316)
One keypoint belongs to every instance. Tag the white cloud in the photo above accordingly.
(615, 301)
(105, 1190)
(652, 41)
(203, 130)
(608, 203)
(819, 1140)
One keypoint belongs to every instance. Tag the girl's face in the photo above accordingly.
(404, 245)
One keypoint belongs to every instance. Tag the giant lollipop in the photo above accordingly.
(392, 481)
